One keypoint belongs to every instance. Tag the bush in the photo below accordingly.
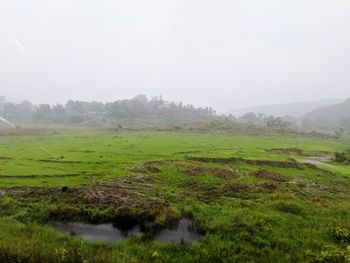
(342, 157)
(341, 234)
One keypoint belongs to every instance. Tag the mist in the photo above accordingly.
(224, 54)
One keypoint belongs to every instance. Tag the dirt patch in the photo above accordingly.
(201, 191)
(238, 188)
(145, 169)
(298, 182)
(128, 191)
(31, 176)
(156, 162)
(270, 186)
(129, 199)
(137, 170)
(280, 164)
(214, 160)
(133, 191)
(198, 170)
(268, 175)
(316, 186)
(31, 192)
(152, 169)
(223, 173)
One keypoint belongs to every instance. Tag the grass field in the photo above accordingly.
(254, 197)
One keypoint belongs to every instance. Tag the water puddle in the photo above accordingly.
(180, 233)
(319, 162)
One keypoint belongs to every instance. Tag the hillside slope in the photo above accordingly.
(297, 109)
(335, 116)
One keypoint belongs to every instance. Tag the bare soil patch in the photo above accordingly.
(281, 164)
(199, 170)
(214, 160)
(268, 175)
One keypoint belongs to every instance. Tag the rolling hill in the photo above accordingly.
(296, 110)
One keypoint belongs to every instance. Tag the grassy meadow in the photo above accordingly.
(255, 198)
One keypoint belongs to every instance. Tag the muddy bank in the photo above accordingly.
(282, 164)
(297, 151)
(129, 200)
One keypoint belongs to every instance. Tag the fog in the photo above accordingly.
(225, 54)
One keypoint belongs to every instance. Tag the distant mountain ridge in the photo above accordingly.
(297, 109)
(334, 116)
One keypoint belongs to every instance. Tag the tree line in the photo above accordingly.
(80, 111)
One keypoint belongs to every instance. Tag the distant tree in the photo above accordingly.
(10, 111)
(279, 124)
(24, 111)
(249, 117)
(43, 113)
(59, 113)
(2, 102)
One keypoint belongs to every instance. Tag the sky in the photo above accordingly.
(225, 53)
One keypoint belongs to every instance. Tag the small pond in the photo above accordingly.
(180, 233)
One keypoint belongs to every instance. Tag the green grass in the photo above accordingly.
(245, 218)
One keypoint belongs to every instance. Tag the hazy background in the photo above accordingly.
(224, 53)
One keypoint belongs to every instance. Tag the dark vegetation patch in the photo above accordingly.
(237, 188)
(196, 170)
(289, 208)
(204, 192)
(268, 175)
(67, 161)
(209, 193)
(341, 234)
(5, 158)
(342, 157)
(82, 151)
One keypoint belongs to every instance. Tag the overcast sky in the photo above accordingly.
(222, 53)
